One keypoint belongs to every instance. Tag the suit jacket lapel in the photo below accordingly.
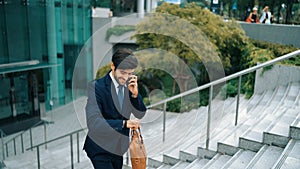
(111, 88)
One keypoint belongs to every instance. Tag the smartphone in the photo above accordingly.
(128, 81)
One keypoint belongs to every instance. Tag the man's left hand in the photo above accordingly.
(133, 86)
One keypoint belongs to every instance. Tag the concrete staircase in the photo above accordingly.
(267, 135)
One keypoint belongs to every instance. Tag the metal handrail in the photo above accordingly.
(216, 82)
(2, 143)
(164, 102)
(21, 137)
(58, 138)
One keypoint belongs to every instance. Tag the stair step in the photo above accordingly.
(252, 139)
(180, 165)
(278, 132)
(197, 163)
(295, 127)
(240, 159)
(217, 162)
(206, 153)
(188, 155)
(170, 160)
(290, 157)
(229, 145)
(155, 161)
(265, 157)
(164, 166)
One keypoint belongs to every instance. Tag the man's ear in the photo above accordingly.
(112, 66)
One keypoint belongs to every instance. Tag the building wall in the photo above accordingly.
(279, 75)
(52, 32)
(282, 34)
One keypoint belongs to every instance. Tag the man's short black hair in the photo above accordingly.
(124, 58)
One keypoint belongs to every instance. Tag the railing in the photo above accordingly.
(165, 101)
(2, 145)
(216, 82)
(20, 136)
(58, 138)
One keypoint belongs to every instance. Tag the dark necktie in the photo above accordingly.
(120, 96)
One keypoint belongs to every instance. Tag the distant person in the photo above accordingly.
(111, 101)
(266, 16)
(253, 16)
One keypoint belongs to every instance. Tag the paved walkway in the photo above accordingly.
(66, 119)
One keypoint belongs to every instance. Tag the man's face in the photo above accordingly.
(122, 75)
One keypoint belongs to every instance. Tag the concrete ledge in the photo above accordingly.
(205, 153)
(184, 156)
(249, 144)
(154, 163)
(295, 132)
(274, 139)
(170, 160)
(227, 149)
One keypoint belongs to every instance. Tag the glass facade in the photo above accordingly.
(49, 32)
(118, 7)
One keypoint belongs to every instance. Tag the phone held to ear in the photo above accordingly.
(128, 81)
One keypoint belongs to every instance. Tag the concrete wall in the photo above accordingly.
(282, 34)
(278, 75)
(102, 49)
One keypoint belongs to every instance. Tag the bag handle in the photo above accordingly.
(139, 134)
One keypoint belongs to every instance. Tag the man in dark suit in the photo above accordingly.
(111, 100)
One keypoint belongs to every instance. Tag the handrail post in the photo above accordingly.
(238, 101)
(6, 148)
(22, 143)
(164, 121)
(71, 147)
(209, 116)
(38, 156)
(31, 143)
(78, 157)
(45, 135)
(2, 144)
(127, 158)
(15, 151)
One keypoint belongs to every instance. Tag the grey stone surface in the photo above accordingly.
(278, 75)
(239, 160)
(273, 33)
(293, 157)
(187, 156)
(198, 163)
(266, 157)
(217, 162)
(164, 166)
(180, 165)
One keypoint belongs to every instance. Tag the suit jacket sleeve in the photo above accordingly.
(138, 107)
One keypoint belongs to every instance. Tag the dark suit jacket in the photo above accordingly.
(106, 136)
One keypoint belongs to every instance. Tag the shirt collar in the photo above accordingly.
(115, 82)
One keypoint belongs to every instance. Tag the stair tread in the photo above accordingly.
(280, 126)
(164, 166)
(218, 162)
(240, 160)
(290, 157)
(198, 163)
(267, 157)
(180, 165)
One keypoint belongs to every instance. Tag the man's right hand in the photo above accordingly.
(133, 124)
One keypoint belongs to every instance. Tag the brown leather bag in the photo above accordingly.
(138, 155)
